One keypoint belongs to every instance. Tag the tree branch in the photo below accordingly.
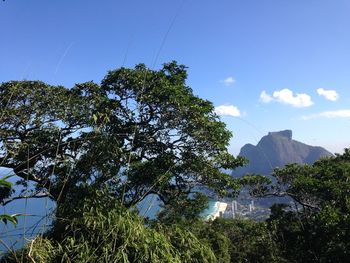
(295, 197)
(26, 197)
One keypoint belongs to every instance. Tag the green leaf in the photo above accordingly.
(11, 218)
(4, 183)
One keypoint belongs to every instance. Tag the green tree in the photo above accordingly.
(141, 131)
(317, 229)
(183, 209)
(249, 241)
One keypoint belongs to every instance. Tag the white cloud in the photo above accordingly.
(287, 96)
(331, 95)
(227, 110)
(298, 100)
(265, 98)
(329, 115)
(229, 81)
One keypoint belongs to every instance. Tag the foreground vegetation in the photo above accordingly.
(99, 150)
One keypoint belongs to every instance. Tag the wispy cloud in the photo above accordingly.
(329, 114)
(227, 110)
(331, 95)
(229, 81)
(286, 96)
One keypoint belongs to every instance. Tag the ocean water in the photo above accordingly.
(34, 219)
(212, 209)
(149, 207)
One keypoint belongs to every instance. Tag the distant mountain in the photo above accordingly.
(276, 150)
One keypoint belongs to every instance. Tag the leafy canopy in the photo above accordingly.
(140, 131)
(317, 228)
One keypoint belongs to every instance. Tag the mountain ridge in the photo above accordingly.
(276, 150)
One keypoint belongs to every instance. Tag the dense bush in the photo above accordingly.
(100, 230)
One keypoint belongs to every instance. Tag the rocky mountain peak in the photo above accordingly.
(286, 134)
(276, 150)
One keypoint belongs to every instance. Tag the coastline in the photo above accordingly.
(219, 208)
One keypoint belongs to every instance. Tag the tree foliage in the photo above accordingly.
(318, 229)
(5, 191)
(141, 131)
(98, 229)
(249, 241)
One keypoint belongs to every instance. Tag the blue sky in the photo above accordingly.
(267, 65)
